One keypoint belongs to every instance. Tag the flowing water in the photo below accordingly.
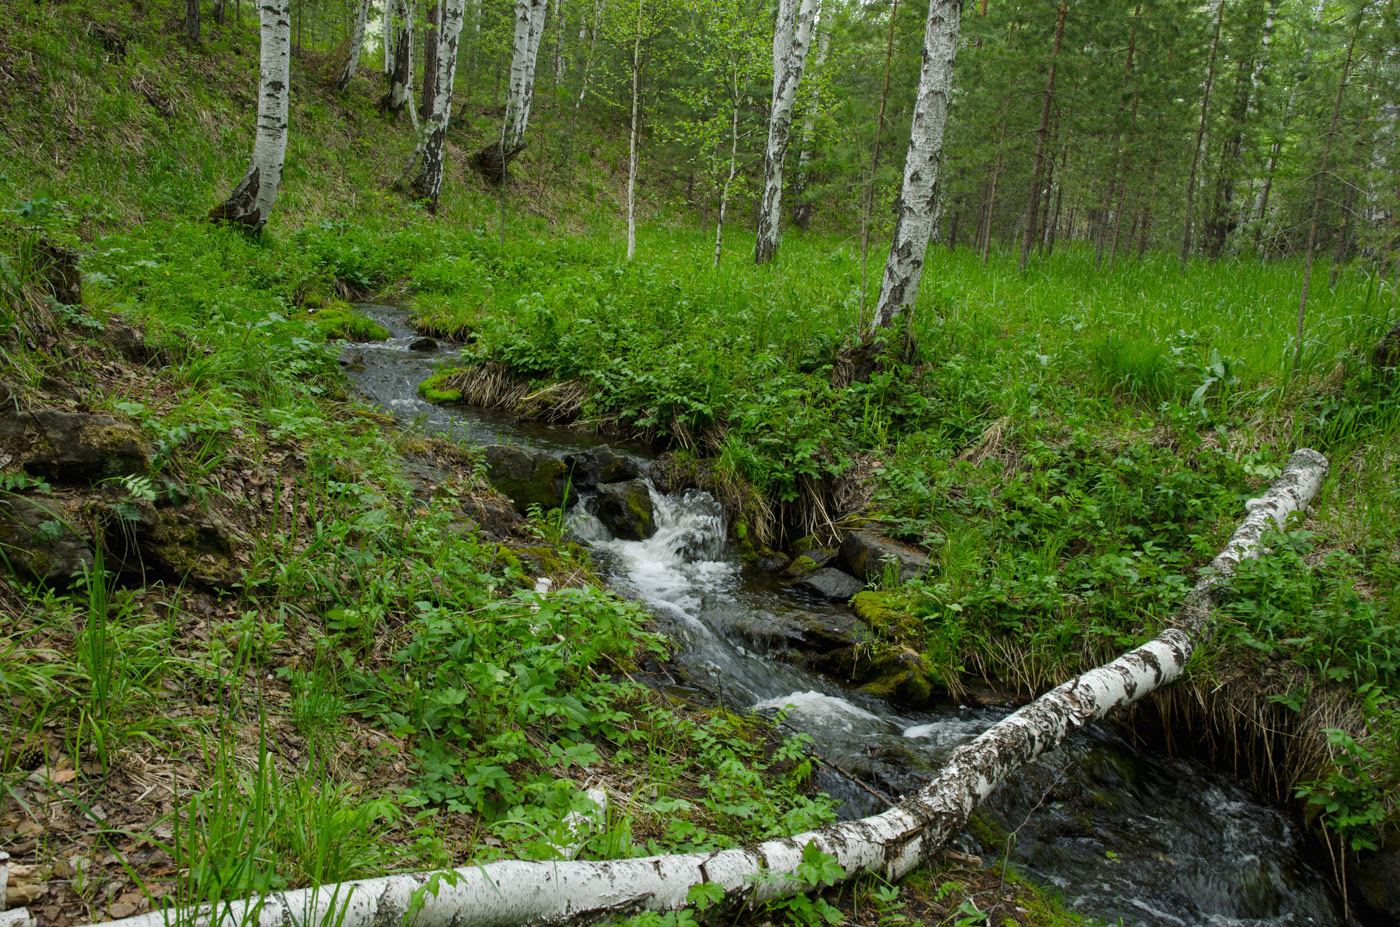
(1120, 833)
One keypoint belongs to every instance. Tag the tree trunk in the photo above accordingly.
(1317, 187)
(892, 844)
(386, 37)
(592, 29)
(1042, 131)
(733, 168)
(427, 158)
(431, 32)
(914, 219)
(632, 138)
(192, 21)
(792, 35)
(217, 9)
(250, 203)
(875, 163)
(802, 212)
(1200, 135)
(401, 76)
(494, 160)
(357, 41)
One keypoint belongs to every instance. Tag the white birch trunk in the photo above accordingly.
(592, 33)
(386, 37)
(401, 76)
(427, 185)
(733, 169)
(250, 203)
(632, 140)
(916, 209)
(891, 844)
(560, 32)
(357, 41)
(520, 91)
(792, 35)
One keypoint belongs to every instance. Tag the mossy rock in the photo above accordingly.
(987, 832)
(438, 389)
(886, 611)
(626, 509)
(900, 678)
(527, 478)
(75, 446)
(339, 321)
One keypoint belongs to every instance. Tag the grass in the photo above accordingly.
(1068, 446)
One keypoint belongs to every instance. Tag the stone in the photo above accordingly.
(830, 584)
(869, 556)
(809, 562)
(625, 509)
(774, 562)
(130, 342)
(896, 674)
(74, 446)
(423, 345)
(495, 515)
(1377, 879)
(181, 543)
(42, 542)
(527, 478)
(601, 465)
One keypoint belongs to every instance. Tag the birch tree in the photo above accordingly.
(792, 35)
(357, 41)
(494, 160)
(427, 156)
(915, 212)
(400, 92)
(250, 203)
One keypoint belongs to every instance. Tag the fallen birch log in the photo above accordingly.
(516, 892)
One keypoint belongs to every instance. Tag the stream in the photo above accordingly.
(1122, 834)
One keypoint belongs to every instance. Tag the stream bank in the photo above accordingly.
(1121, 833)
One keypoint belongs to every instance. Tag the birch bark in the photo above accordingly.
(357, 41)
(738, 97)
(632, 141)
(916, 208)
(427, 185)
(250, 203)
(401, 76)
(792, 35)
(494, 160)
(563, 892)
(386, 37)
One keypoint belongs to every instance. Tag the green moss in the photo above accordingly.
(436, 388)
(991, 835)
(886, 611)
(539, 488)
(804, 544)
(802, 565)
(339, 320)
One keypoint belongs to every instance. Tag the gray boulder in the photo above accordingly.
(869, 556)
(626, 509)
(40, 541)
(829, 584)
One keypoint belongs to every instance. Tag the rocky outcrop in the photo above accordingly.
(527, 478)
(42, 542)
(871, 557)
(626, 509)
(74, 446)
(829, 584)
(179, 543)
(601, 465)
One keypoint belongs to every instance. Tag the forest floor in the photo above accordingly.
(261, 647)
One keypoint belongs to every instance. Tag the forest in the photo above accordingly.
(676, 462)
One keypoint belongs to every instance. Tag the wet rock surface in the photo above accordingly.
(601, 465)
(829, 584)
(626, 509)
